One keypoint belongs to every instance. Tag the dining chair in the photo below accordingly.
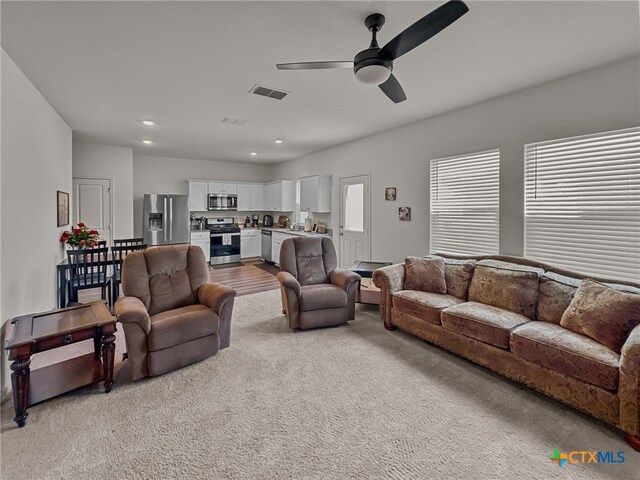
(126, 242)
(118, 253)
(88, 268)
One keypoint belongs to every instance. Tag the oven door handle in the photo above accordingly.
(218, 235)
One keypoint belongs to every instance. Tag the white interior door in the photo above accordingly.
(92, 205)
(354, 220)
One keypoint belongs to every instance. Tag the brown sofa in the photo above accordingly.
(314, 292)
(504, 313)
(172, 316)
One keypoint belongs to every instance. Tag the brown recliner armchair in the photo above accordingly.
(172, 316)
(314, 292)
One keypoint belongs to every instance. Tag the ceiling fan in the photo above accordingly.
(374, 65)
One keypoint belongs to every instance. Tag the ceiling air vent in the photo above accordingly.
(233, 121)
(268, 92)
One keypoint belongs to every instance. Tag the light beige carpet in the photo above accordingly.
(349, 402)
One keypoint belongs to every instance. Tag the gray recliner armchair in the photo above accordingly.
(314, 292)
(171, 314)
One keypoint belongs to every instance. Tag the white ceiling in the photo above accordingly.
(106, 65)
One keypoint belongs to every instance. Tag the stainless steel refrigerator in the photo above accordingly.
(166, 219)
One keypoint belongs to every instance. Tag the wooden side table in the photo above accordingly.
(39, 332)
(371, 293)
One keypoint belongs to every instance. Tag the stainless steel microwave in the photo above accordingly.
(220, 201)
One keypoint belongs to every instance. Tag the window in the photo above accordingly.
(465, 203)
(354, 208)
(582, 203)
(299, 216)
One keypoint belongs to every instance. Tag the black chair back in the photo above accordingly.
(88, 268)
(126, 242)
(118, 254)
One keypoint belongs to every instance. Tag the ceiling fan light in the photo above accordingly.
(373, 74)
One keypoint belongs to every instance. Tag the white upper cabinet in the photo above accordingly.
(244, 197)
(250, 197)
(315, 194)
(269, 196)
(219, 187)
(278, 196)
(257, 196)
(198, 196)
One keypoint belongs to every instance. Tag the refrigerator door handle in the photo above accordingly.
(164, 220)
(170, 219)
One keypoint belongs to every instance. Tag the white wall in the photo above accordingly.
(169, 175)
(604, 98)
(36, 161)
(116, 163)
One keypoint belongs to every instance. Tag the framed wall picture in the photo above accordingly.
(63, 208)
(390, 194)
(404, 214)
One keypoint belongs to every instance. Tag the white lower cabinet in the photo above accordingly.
(276, 242)
(201, 239)
(250, 243)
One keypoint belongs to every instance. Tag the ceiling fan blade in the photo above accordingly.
(313, 65)
(393, 90)
(424, 29)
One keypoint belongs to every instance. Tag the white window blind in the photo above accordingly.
(465, 203)
(582, 203)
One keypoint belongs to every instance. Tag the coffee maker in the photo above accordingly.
(267, 221)
(255, 220)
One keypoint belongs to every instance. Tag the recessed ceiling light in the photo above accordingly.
(147, 142)
(253, 154)
(148, 123)
(277, 140)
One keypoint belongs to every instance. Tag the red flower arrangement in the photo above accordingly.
(80, 237)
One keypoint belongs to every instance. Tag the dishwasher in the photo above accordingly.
(266, 246)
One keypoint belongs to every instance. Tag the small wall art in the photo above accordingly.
(404, 214)
(63, 208)
(390, 194)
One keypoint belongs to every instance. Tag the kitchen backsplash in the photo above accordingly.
(240, 216)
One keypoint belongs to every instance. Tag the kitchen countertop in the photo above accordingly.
(298, 233)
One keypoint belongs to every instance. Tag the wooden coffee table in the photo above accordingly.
(39, 332)
(367, 293)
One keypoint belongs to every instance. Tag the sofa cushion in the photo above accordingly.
(567, 352)
(506, 285)
(174, 327)
(602, 313)
(486, 323)
(457, 275)
(424, 305)
(321, 296)
(425, 275)
(555, 293)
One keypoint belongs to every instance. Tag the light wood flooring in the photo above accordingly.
(247, 278)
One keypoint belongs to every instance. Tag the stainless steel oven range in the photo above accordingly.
(225, 240)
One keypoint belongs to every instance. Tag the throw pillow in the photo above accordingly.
(425, 274)
(602, 313)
